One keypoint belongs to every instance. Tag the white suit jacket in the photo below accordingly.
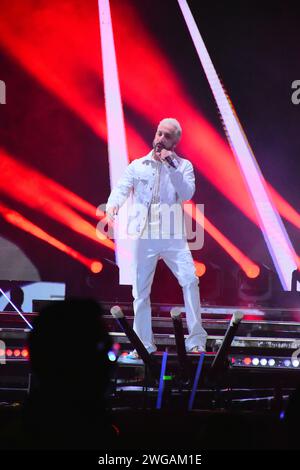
(176, 185)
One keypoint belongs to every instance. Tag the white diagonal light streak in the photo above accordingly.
(274, 232)
(117, 148)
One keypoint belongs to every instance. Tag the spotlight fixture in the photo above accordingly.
(211, 282)
(255, 289)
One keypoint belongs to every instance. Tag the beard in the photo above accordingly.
(161, 146)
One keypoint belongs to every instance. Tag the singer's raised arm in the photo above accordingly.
(183, 179)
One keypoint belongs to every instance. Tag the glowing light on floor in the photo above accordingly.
(268, 362)
(16, 353)
(274, 232)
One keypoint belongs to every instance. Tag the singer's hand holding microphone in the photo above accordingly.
(166, 155)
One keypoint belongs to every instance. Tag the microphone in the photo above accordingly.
(168, 159)
(170, 162)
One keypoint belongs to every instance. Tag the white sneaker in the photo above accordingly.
(197, 349)
(133, 355)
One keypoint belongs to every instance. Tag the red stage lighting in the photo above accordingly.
(253, 271)
(96, 267)
(247, 361)
(200, 268)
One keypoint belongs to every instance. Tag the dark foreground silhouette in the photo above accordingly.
(66, 407)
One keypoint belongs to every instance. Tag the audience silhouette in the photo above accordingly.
(66, 408)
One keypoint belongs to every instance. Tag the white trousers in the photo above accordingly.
(177, 256)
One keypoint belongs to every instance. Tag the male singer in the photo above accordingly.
(159, 181)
